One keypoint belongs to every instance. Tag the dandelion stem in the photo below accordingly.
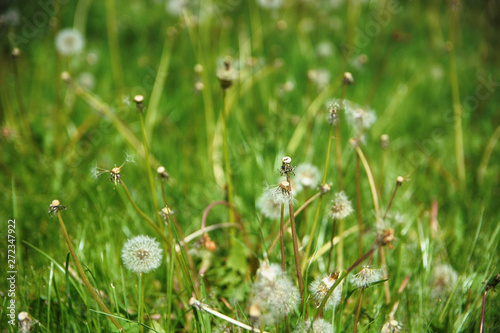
(482, 311)
(227, 163)
(297, 212)
(398, 184)
(150, 174)
(282, 241)
(338, 142)
(143, 215)
(295, 241)
(358, 310)
(359, 207)
(371, 181)
(318, 207)
(340, 247)
(84, 277)
(140, 310)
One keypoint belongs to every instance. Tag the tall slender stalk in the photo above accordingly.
(140, 305)
(455, 94)
(227, 162)
(85, 280)
(140, 109)
(114, 47)
(358, 310)
(282, 241)
(359, 214)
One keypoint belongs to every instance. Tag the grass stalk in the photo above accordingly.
(148, 165)
(140, 304)
(358, 310)
(85, 280)
(455, 94)
(114, 47)
(227, 162)
(359, 207)
(282, 241)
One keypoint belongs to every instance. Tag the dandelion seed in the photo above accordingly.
(69, 42)
(306, 176)
(319, 326)
(320, 287)
(142, 254)
(341, 206)
(366, 277)
(443, 279)
(115, 173)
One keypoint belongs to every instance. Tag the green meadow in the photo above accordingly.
(260, 165)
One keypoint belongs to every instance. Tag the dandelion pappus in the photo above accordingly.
(115, 173)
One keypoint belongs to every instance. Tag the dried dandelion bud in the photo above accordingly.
(385, 238)
(366, 277)
(325, 188)
(399, 180)
(162, 173)
(348, 79)
(320, 287)
(492, 282)
(333, 112)
(384, 141)
(165, 212)
(139, 101)
(341, 206)
(227, 75)
(208, 243)
(254, 312)
(55, 206)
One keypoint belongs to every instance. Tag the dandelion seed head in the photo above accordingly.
(320, 287)
(341, 206)
(366, 277)
(87, 80)
(141, 254)
(270, 207)
(280, 193)
(69, 42)
(227, 75)
(359, 117)
(306, 176)
(319, 326)
(443, 279)
(175, 7)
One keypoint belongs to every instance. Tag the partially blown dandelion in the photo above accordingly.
(366, 277)
(306, 176)
(320, 287)
(341, 206)
(318, 326)
(142, 254)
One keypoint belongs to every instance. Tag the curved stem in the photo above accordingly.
(371, 181)
(84, 277)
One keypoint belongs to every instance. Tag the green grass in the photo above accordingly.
(53, 134)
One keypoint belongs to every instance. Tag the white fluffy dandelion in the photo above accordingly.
(306, 176)
(69, 42)
(366, 277)
(142, 254)
(341, 206)
(359, 117)
(270, 4)
(443, 279)
(270, 207)
(274, 293)
(319, 326)
(320, 287)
